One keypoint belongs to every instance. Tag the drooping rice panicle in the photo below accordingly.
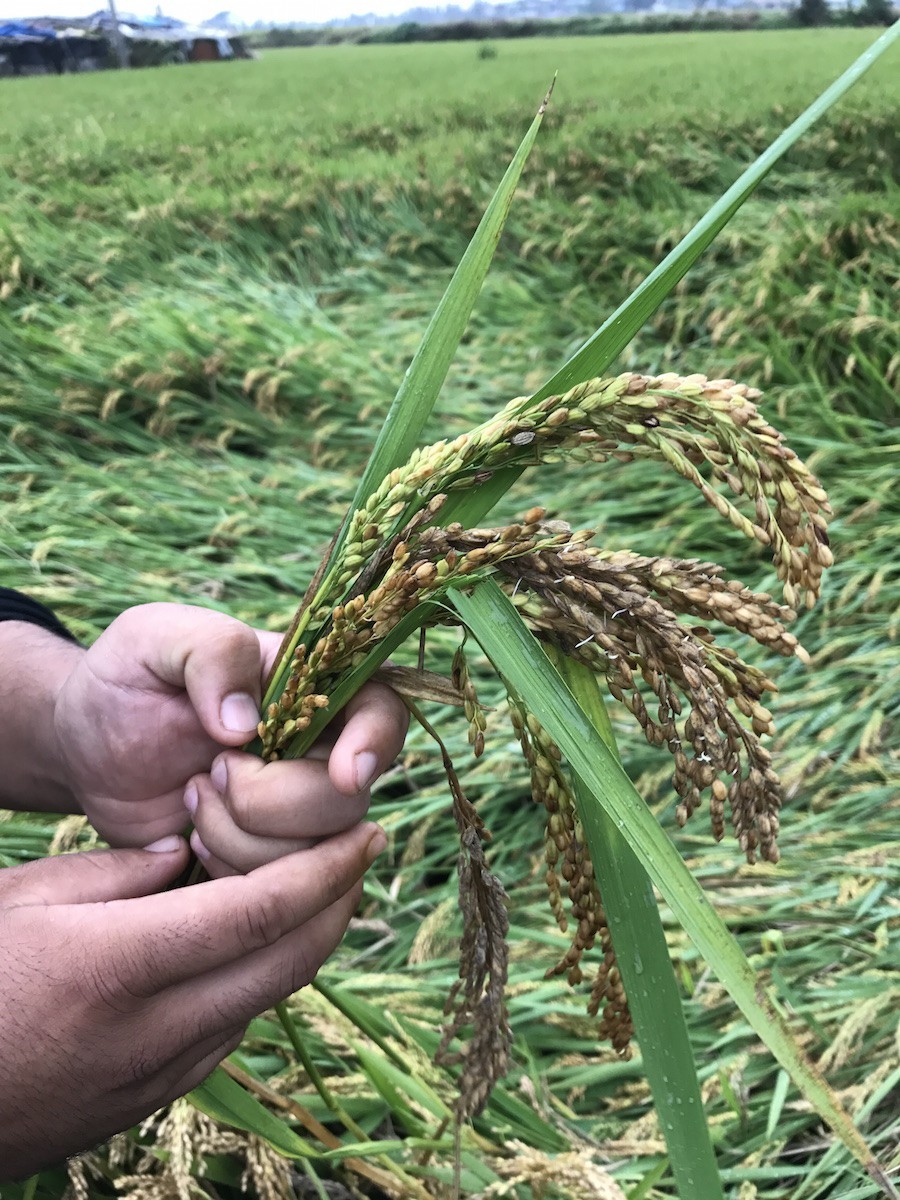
(569, 866)
(709, 431)
(646, 625)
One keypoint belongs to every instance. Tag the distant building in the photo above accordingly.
(48, 45)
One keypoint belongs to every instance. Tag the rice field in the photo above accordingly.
(211, 281)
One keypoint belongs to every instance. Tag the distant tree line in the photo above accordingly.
(869, 12)
(805, 14)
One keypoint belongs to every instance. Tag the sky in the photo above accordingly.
(198, 10)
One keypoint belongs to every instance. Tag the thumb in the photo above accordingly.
(94, 876)
(215, 658)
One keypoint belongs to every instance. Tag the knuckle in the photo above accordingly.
(231, 637)
(293, 970)
(138, 614)
(239, 800)
(327, 877)
(108, 987)
(120, 975)
(206, 1024)
(296, 971)
(144, 1063)
(262, 919)
(148, 1095)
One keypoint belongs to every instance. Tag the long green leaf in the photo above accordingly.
(221, 1098)
(416, 397)
(603, 347)
(596, 355)
(424, 378)
(513, 650)
(405, 1094)
(643, 959)
(418, 392)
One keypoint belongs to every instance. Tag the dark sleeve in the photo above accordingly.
(14, 606)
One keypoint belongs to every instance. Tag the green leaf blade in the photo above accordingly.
(601, 350)
(604, 347)
(510, 646)
(643, 959)
(410, 409)
(416, 397)
(223, 1099)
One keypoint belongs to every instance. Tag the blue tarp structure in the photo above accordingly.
(29, 48)
(159, 22)
(103, 18)
(22, 31)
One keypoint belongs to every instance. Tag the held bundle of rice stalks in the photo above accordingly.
(617, 613)
(564, 622)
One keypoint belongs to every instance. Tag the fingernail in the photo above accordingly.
(376, 845)
(198, 848)
(366, 769)
(219, 775)
(191, 798)
(166, 845)
(239, 713)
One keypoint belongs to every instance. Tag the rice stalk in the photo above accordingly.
(618, 613)
(822, 765)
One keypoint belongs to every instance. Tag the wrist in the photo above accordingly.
(35, 666)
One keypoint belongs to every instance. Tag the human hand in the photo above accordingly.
(153, 702)
(115, 1000)
(246, 812)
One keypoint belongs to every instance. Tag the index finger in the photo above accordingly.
(176, 936)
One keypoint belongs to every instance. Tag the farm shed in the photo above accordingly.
(32, 48)
(155, 41)
(48, 46)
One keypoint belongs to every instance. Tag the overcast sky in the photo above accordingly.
(198, 10)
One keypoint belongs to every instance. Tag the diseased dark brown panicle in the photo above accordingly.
(646, 624)
(478, 998)
(567, 855)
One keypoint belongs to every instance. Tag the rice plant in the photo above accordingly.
(618, 572)
(391, 569)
